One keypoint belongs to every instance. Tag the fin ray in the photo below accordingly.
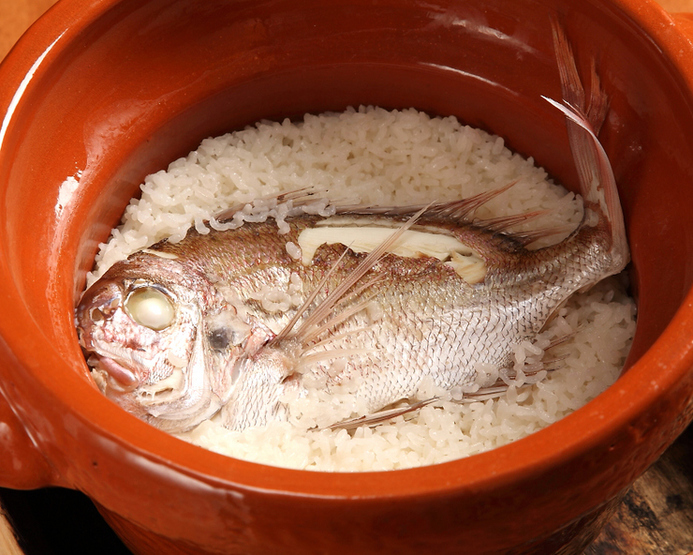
(322, 311)
(381, 416)
(585, 117)
(456, 210)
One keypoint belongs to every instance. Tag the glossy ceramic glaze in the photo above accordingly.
(98, 94)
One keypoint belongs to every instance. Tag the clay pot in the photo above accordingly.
(98, 94)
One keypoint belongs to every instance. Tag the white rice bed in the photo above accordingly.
(380, 157)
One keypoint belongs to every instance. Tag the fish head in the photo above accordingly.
(142, 328)
(133, 329)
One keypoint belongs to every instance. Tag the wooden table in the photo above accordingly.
(655, 518)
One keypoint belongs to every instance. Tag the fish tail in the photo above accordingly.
(585, 113)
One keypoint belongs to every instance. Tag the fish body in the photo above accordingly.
(385, 299)
(234, 292)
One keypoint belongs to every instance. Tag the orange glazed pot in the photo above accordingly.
(98, 94)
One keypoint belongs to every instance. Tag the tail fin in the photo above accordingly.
(584, 118)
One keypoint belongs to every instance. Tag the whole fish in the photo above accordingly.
(386, 298)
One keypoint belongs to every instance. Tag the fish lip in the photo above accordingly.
(120, 377)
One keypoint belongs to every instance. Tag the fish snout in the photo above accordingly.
(97, 307)
(100, 303)
(104, 311)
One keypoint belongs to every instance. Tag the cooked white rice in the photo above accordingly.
(378, 157)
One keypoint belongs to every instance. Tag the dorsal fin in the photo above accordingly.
(502, 224)
(526, 238)
(460, 211)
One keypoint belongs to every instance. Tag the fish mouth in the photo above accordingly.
(123, 378)
(168, 390)
(174, 403)
(118, 376)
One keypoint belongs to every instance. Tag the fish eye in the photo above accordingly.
(151, 308)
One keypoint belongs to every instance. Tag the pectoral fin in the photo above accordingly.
(381, 416)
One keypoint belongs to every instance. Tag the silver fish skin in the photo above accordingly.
(229, 321)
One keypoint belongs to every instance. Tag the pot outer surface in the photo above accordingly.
(100, 96)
